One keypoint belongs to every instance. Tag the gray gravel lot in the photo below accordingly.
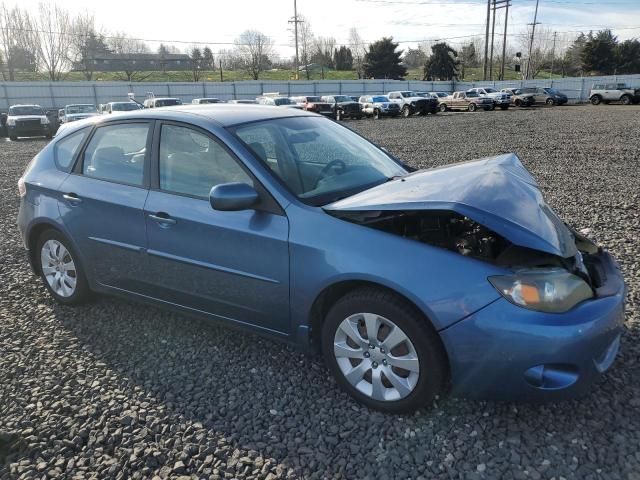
(121, 390)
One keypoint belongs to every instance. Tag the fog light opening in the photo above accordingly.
(552, 376)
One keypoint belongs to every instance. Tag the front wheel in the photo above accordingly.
(376, 114)
(550, 102)
(472, 107)
(443, 107)
(405, 111)
(338, 115)
(383, 352)
(518, 103)
(626, 100)
(60, 269)
(13, 138)
(595, 100)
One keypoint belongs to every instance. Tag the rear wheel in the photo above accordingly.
(13, 138)
(596, 99)
(518, 103)
(406, 111)
(60, 269)
(376, 114)
(472, 107)
(443, 107)
(625, 100)
(383, 352)
(338, 115)
(550, 101)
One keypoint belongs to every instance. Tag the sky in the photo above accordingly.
(219, 22)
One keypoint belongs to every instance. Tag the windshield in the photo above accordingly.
(74, 109)
(209, 100)
(380, 98)
(313, 99)
(167, 102)
(282, 101)
(490, 90)
(317, 159)
(407, 94)
(472, 94)
(124, 107)
(26, 110)
(552, 91)
(342, 98)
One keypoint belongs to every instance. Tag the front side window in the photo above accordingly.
(318, 160)
(192, 163)
(65, 149)
(116, 153)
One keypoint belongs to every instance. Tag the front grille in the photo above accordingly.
(28, 123)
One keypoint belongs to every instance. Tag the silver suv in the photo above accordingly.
(614, 92)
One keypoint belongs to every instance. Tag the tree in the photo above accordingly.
(306, 41)
(196, 63)
(323, 51)
(468, 55)
(442, 64)
(599, 53)
(254, 48)
(86, 43)
(571, 62)
(383, 61)
(628, 57)
(208, 61)
(17, 41)
(53, 33)
(414, 57)
(343, 58)
(358, 51)
(122, 45)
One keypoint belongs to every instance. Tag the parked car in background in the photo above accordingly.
(411, 284)
(519, 98)
(470, 101)
(114, 107)
(313, 104)
(243, 101)
(355, 98)
(614, 92)
(74, 112)
(547, 95)
(205, 101)
(439, 94)
(343, 106)
(502, 100)
(377, 106)
(28, 121)
(157, 102)
(277, 102)
(411, 103)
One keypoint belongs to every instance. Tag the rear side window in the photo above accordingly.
(191, 163)
(116, 153)
(65, 149)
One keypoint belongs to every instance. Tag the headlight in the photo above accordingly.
(44, 121)
(11, 122)
(545, 290)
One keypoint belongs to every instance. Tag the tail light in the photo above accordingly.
(22, 187)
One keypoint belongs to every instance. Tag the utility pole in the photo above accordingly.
(533, 32)
(553, 51)
(486, 41)
(504, 40)
(295, 22)
(493, 32)
(220, 63)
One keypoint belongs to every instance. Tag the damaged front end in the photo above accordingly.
(489, 210)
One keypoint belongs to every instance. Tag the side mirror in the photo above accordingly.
(231, 197)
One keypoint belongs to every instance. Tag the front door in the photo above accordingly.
(234, 265)
(102, 202)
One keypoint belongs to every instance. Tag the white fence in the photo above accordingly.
(58, 94)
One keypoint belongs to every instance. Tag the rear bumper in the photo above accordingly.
(510, 353)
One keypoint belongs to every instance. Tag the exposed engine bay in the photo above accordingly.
(460, 234)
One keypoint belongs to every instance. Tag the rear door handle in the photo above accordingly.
(72, 198)
(163, 219)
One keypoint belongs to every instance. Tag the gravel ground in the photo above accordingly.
(121, 390)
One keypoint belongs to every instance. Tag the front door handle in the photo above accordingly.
(163, 219)
(72, 198)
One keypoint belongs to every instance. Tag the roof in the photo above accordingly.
(224, 114)
(141, 56)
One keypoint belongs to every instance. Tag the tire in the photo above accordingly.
(443, 107)
(625, 100)
(550, 102)
(504, 107)
(376, 114)
(62, 289)
(338, 115)
(492, 107)
(472, 107)
(400, 390)
(49, 136)
(359, 117)
(596, 99)
(518, 103)
(406, 112)
(13, 138)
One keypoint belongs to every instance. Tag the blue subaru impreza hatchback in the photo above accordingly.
(286, 223)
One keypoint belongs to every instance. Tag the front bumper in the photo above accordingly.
(28, 130)
(507, 352)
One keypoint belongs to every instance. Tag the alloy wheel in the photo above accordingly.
(58, 268)
(376, 357)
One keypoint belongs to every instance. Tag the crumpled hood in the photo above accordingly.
(496, 192)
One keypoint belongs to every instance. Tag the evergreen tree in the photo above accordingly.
(343, 58)
(599, 53)
(443, 63)
(383, 61)
(208, 61)
(196, 63)
(628, 57)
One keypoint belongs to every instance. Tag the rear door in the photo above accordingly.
(234, 265)
(103, 199)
